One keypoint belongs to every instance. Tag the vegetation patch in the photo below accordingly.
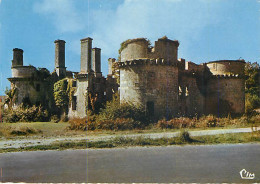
(114, 116)
(24, 131)
(26, 114)
(183, 139)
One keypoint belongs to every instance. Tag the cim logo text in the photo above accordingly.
(246, 175)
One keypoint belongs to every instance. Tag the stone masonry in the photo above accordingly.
(148, 76)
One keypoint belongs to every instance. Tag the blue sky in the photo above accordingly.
(207, 29)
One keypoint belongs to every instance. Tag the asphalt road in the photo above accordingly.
(210, 163)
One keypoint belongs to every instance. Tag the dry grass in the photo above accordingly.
(183, 139)
(40, 129)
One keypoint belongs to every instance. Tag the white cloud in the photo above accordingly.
(178, 19)
(63, 14)
(184, 20)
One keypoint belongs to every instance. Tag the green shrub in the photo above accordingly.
(116, 111)
(185, 136)
(55, 118)
(24, 131)
(124, 111)
(252, 102)
(31, 114)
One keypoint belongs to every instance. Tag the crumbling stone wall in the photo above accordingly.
(33, 90)
(23, 71)
(225, 95)
(176, 87)
(166, 49)
(145, 81)
(227, 67)
(191, 98)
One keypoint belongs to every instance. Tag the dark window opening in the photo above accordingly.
(150, 108)
(74, 84)
(74, 103)
(38, 87)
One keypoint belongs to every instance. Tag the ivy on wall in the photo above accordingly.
(63, 92)
(60, 93)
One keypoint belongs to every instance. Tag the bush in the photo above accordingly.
(176, 123)
(24, 131)
(252, 102)
(122, 115)
(211, 121)
(119, 124)
(185, 136)
(78, 124)
(55, 118)
(124, 111)
(31, 114)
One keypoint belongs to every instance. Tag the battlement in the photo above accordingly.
(166, 39)
(141, 48)
(158, 61)
(227, 76)
(222, 67)
(22, 71)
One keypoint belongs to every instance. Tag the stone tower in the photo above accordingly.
(149, 78)
(60, 58)
(96, 61)
(85, 59)
(110, 65)
(17, 57)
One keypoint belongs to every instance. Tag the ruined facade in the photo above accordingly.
(154, 78)
(150, 77)
(28, 82)
(92, 87)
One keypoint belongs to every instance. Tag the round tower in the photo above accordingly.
(152, 84)
(225, 94)
(227, 67)
(134, 49)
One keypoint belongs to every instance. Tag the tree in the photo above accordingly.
(11, 97)
(252, 86)
(252, 72)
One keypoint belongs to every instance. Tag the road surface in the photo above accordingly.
(209, 163)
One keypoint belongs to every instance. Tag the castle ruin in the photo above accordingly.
(148, 76)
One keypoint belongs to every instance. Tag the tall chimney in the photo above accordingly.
(60, 58)
(110, 65)
(96, 60)
(86, 49)
(17, 57)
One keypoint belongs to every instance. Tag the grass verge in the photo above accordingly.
(183, 139)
